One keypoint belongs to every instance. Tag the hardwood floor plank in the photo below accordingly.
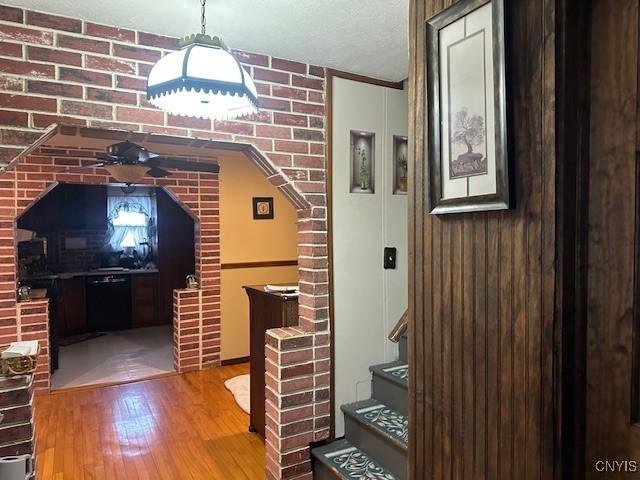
(177, 427)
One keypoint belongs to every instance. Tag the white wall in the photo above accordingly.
(368, 300)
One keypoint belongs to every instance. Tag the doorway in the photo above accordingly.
(369, 219)
(108, 259)
(196, 312)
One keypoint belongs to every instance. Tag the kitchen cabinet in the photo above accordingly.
(68, 207)
(71, 307)
(144, 304)
(176, 254)
(94, 211)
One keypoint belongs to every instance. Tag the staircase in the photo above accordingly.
(375, 443)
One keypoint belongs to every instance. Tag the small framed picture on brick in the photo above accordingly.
(263, 208)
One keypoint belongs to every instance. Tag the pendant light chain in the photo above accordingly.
(203, 20)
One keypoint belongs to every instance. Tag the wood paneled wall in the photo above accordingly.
(483, 284)
(613, 431)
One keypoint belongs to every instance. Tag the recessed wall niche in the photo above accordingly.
(362, 162)
(400, 151)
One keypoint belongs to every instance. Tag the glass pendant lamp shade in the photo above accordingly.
(127, 173)
(202, 80)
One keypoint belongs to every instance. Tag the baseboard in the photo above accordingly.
(234, 361)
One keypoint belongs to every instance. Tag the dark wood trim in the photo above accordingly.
(234, 361)
(359, 78)
(329, 189)
(260, 264)
(572, 177)
(635, 358)
(419, 441)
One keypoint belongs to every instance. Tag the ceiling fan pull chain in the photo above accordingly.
(203, 20)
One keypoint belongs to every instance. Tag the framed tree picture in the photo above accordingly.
(467, 135)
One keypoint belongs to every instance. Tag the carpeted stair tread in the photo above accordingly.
(381, 418)
(397, 372)
(349, 462)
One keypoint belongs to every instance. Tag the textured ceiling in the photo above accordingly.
(360, 36)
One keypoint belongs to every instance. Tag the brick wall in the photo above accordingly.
(196, 192)
(196, 320)
(32, 322)
(76, 260)
(297, 399)
(68, 71)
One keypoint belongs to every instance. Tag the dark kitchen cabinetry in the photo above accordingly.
(68, 207)
(94, 211)
(144, 307)
(176, 253)
(98, 303)
(71, 306)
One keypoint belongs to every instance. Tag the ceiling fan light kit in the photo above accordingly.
(129, 163)
(202, 80)
(127, 174)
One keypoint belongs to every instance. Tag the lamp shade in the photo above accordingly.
(127, 173)
(203, 80)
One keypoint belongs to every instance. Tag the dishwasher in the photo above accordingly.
(108, 303)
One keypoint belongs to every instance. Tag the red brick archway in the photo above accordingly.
(196, 313)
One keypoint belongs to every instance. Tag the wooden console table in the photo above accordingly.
(267, 310)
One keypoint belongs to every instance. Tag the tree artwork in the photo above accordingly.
(364, 168)
(468, 131)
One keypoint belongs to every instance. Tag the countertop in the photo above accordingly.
(89, 273)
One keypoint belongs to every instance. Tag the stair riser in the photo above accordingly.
(390, 393)
(322, 472)
(402, 345)
(376, 446)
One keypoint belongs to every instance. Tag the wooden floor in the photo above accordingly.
(176, 427)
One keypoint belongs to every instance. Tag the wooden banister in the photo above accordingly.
(400, 328)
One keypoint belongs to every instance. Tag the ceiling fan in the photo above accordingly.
(129, 163)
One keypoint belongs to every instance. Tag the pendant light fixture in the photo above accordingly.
(202, 80)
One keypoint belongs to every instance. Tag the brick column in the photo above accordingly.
(32, 319)
(196, 329)
(297, 400)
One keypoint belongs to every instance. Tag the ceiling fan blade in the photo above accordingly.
(146, 155)
(83, 167)
(157, 172)
(184, 165)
